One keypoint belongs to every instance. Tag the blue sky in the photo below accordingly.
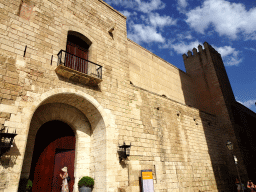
(169, 28)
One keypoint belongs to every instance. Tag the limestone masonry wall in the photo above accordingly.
(154, 74)
(142, 99)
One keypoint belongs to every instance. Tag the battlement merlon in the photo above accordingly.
(200, 50)
(208, 72)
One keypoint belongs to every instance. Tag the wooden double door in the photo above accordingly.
(59, 153)
(76, 57)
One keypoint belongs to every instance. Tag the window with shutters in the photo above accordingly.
(77, 54)
(74, 62)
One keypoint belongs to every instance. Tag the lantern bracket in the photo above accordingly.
(124, 151)
(6, 141)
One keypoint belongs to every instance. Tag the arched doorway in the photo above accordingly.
(88, 120)
(54, 148)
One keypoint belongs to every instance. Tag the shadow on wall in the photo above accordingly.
(9, 159)
(95, 88)
(201, 73)
(244, 120)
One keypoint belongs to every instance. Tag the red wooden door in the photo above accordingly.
(44, 170)
(75, 57)
(63, 158)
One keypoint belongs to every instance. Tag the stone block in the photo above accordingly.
(5, 115)
(159, 137)
(8, 108)
(7, 48)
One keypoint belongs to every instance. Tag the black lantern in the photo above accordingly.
(124, 151)
(229, 145)
(6, 141)
(235, 159)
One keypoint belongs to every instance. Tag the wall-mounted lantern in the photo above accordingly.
(229, 145)
(6, 141)
(124, 151)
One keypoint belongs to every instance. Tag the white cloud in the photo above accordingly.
(126, 13)
(251, 36)
(189, 36)
(224, 51)
(182, 4)
(139, 5)
(181, 47)
(229, 55)
(179, 37)
(232, 60)
(141, 33)
(166, 44)
(249, 103)
(145, 19)
(227, 18)
(251, 49)
(185, 35)
(147, 7)
(161, 21)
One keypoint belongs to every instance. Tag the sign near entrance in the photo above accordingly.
(147, 180)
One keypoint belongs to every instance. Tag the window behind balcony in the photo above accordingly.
(77, 54)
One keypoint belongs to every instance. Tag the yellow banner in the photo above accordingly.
(147, 175)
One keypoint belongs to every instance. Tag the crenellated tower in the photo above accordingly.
(209, 75)
(214, 95)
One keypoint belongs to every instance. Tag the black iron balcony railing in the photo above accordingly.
(79, 64)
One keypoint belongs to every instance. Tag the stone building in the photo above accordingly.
(75, 88)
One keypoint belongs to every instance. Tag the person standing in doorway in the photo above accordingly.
(238, 185)
(64, 180)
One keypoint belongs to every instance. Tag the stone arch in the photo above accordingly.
(67, 114)
(80, 36)
(40, 99)
(58, 103)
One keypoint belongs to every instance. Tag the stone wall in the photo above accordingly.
(181, 144)
(25, 79)
(158, 76)
(244, 120)
(172, 140)
(215, 96)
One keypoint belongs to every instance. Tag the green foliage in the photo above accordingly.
(86, 181)
(29, 184)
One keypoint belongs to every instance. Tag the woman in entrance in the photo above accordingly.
(64, 180)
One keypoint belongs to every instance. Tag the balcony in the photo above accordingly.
(78, 69)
